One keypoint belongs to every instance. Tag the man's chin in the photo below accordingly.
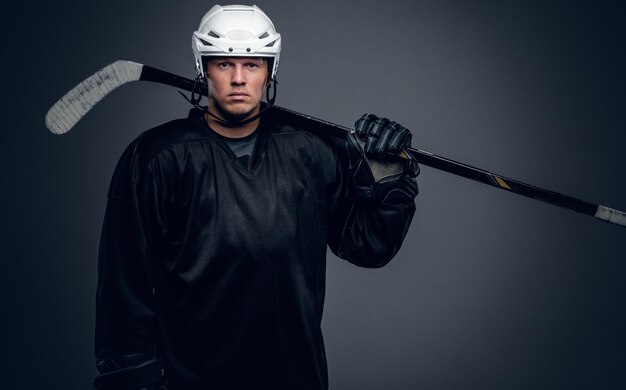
(236, 112)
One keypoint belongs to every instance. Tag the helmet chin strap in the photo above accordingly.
(196, 96)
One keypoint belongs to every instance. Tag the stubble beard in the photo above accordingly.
(231, 115)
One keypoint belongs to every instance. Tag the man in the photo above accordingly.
(212, 258)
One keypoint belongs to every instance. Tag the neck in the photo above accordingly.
(231, 131)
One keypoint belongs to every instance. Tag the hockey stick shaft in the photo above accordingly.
(480, 175)
(75, 104)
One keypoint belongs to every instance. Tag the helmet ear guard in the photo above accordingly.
(273, 85)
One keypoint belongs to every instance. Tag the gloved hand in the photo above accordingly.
(129, 372)
(380, 175)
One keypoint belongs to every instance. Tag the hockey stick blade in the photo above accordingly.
(65, 113)
(75, 104)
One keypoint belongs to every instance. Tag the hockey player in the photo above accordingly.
(213, 251)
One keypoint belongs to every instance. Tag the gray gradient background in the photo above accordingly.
(491, 290)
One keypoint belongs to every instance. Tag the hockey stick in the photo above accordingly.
(66, 112)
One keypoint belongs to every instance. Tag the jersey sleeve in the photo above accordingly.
(125, 304)
(364, 234)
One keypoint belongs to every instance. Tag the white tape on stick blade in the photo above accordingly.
(66, 112)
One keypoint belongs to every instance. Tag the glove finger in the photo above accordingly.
(375, 130)
(401, 139)
(362, 125)
(390, 132)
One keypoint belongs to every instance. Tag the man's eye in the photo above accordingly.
(252, 65)
(223, 64)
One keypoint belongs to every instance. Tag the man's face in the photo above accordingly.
(236, 85)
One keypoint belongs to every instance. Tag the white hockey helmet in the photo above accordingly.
(236, 31)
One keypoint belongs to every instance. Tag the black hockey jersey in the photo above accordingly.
(220, 267)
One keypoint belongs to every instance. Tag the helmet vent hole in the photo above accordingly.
(205, 42)
(264, 35)
(213, 34)
(270, 44)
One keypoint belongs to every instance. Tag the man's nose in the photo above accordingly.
(238, 77)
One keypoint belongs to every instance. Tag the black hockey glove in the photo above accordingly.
(129, 372)
(381, 176)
